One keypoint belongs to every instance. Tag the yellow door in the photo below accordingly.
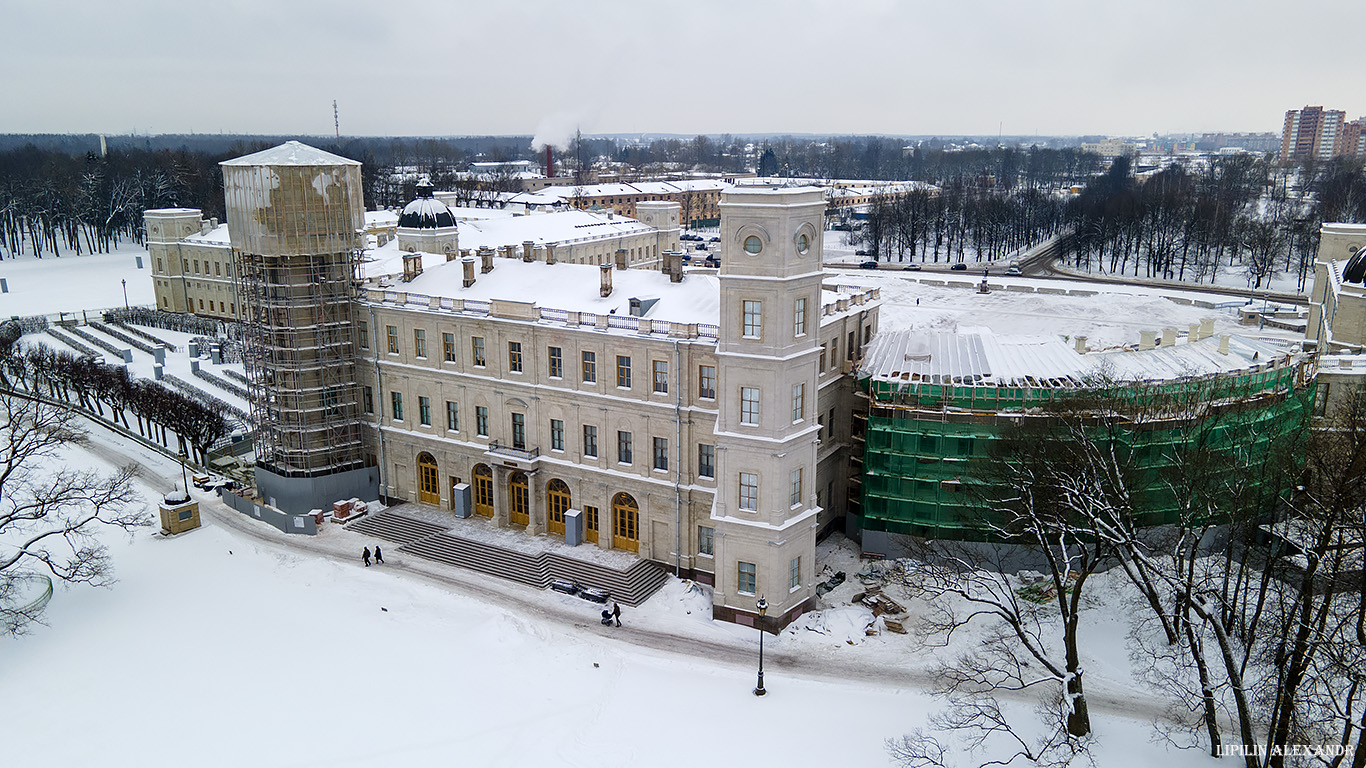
(557, 496)
(590, 524)
(428, 482)
(625, 523)
(519, 498)
(483, 490)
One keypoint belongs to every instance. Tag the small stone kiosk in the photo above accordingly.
(179, 513)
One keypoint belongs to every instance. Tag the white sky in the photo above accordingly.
(453, 67)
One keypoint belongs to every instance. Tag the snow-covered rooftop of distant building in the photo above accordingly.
(982, 357)
(381, 219)
(557, 227)
(216, 236)
(570, 287)
(291, 153)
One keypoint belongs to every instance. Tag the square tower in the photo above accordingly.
(765, 515)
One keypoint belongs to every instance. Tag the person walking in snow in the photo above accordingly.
(365, 557)
(616, 612)
(379, 556)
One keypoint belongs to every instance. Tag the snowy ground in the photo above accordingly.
(237, 647)
(70, 284)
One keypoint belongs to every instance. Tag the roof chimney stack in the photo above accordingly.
(550, 253)
(467, 264)
(621, 258)
(528, 250)
(1168, 337)
(1081, 345)
(1147, 339)
(606, 271)
(486, 257)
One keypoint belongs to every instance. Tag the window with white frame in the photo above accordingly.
(590, 367)
(706, 381)
(481, 420)
(477, 351)
(753, 316)
(749, 405)
(661, 453)
(794, 573)
(798, 402)
(452, 416)
(799, 318)
(794, 495)
(424, 411)
(515, 356)
(660, 373)
(706, 540)
(706, 460)
(624, 453)
(749, 491)
(624, 371)
(556, 434)
(419, 342)
(396, 405)
(590, 441)
(746, 577)
(556, 363)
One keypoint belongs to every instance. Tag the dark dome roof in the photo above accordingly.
(426, 212)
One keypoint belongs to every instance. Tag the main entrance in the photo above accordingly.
(428, 480)
(558, 498)
(483, 490)
(519, 496)
(625, 523)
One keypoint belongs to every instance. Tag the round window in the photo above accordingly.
(803, 243)
(753, 244)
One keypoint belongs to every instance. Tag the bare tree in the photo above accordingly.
(51, 512)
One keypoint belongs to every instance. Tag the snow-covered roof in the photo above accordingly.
(290, 153)
(381, 219)
(216, 236)
(570, 287)
(557, 227)
(981, 357)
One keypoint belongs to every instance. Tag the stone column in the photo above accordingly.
(536, 505)
(501, 503)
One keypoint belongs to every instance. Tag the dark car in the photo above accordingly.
(712, 261)
(714, 240)
(912, 267)
(700, 247)
(861, 253)
(959, 267)
(868, 265)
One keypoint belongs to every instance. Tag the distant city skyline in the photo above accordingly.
(543, 68)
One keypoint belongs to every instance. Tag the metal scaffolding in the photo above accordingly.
(294, 213)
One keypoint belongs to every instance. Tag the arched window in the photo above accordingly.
(428, 482)
(483, 490)
(625, 523)
(559, 501)
(519, 499)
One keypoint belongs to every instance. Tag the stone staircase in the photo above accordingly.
(631, 586)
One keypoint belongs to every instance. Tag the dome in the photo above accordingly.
(425, 211)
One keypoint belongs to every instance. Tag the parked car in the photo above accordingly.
(912, 267)
(593, 594)
(862, 253)
(959, 267)
(700, 247)
(868, 265)
(566, 586)
(714, 240)
(712, 261)
(1014, 269)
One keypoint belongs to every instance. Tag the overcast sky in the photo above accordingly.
(453, 67)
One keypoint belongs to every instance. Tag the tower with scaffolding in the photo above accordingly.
(294, 214)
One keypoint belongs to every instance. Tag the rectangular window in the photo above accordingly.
(821, 368)
(706, 460)
(753, 319)
(705, 540)
(201, 304)
(748, 573)
(794, 573)
(392, 332)
(794, 494)
(556, 435)
(477, 352)
(515, 356)
(706, 378)
(849, 347)
(798, 402)
(368, 399)
(661, 375)
(362, 333)
(624, 371)
(419, 342)
(481, 420)
(556, 363)
(519, 431)
(661, 446)
(749, 491)
(749, 405)
(799, 318)
(590, 367)
(448, 347)
(590, 441)
(196, 266)
(624, 448)
(452, 416)
(424, 411)
(396, 404)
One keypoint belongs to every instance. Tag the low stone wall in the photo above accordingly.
(264, 512)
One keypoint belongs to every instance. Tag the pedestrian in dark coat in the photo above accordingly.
(616, 613)
(379, 556)
(365, 556)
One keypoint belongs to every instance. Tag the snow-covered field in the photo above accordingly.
(74, 283)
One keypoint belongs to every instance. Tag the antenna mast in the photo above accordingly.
(336, 120)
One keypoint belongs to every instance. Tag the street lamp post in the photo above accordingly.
(763, 606)
(125, 293)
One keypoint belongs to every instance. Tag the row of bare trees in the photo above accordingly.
(950, 223)
(1248, 597)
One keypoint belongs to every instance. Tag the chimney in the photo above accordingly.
(528, 250)
(467, 264)
(673, 266)
(412, 266)
(1223, 343)
(1168, 337)
(510, 251)
(1147, 339)
(1206, 327)
(621, 258)
(550, 253)
(485, 256)
(606, 271)
(1081, 345)
(1194, 334)
(549, 163)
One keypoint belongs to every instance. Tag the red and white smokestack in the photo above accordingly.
(549, 163)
